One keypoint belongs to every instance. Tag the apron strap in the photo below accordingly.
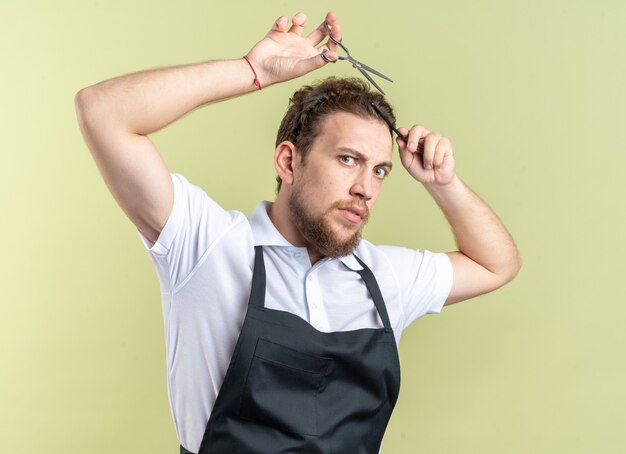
(257, 293)
(374, 289)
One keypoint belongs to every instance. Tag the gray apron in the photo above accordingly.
(290, 388)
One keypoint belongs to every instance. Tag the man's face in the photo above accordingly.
(334, 190)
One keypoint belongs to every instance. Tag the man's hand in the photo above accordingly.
(428, 156)
(285, 54)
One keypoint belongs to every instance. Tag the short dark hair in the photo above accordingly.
(312, 103)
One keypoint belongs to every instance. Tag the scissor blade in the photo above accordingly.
(373, 71)
(367, 76)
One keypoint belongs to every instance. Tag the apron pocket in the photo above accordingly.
(281, 388)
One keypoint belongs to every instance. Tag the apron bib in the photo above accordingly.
(290, 388)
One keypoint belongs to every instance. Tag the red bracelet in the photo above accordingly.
(256, 78)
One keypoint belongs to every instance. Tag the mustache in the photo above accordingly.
(351, 204)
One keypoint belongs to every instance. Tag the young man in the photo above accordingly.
(281, 329)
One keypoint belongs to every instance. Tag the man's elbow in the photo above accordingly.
(85, 102)
(512, 268)
(95, 117)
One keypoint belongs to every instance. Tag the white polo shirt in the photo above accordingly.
(204, 258)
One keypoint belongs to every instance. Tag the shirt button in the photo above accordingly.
(310, 278)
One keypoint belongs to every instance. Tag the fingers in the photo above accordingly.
(443, 149)
(335, 31)
(281, 24)
(426, 155)
(317, 36)
(298, 22)
(434, 147)
(327, 52)
(415, 138)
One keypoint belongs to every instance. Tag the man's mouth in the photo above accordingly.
(354, 214)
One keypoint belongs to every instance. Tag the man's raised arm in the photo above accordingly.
(487, 257)
(117, 115)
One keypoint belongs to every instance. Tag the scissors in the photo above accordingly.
(355, 63)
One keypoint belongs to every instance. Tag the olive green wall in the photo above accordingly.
(532, 96)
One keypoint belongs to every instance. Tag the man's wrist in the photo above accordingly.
(442, 188)
(256, 80)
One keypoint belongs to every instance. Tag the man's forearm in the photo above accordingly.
(117, 116)
(478, 232)
(147, 101)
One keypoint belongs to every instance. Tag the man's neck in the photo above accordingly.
(280, 216)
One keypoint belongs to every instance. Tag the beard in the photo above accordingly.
(317, 231)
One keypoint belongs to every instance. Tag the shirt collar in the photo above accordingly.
(263, 229)
(350, 261)
(266, 234)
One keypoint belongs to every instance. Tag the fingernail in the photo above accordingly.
(412, 145)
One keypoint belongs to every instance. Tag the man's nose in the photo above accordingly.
(363, 187)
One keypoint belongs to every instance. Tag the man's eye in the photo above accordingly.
(380, 172)
(347, 159)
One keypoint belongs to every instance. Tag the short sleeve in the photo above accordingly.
(424, 278)
(194, 224)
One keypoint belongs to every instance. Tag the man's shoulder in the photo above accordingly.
(401, 258)
(196, 218)
(194, 198)
(377, 256)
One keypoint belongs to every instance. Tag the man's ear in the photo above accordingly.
(284, 158)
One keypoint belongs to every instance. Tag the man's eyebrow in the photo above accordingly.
(362, 157)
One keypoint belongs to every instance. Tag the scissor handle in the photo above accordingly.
(335, 40)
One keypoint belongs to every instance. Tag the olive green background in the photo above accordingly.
(531, 93)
